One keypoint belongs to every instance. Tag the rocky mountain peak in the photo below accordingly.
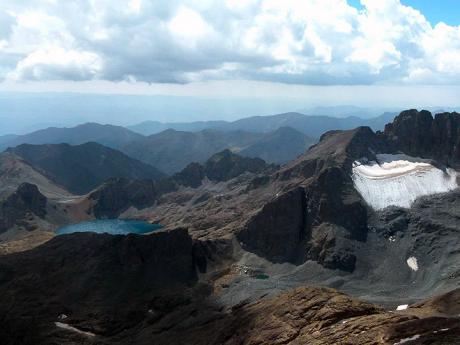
(226, 165)
(411, 132)
(417, 133)
(27, 200)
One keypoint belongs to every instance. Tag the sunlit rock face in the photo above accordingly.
(398, 180)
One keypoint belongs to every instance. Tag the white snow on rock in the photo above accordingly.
(406, 340)
(402, 307)
(398, 180)
(412, 263)
(73, 329)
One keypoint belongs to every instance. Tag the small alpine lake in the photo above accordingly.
(110, 226)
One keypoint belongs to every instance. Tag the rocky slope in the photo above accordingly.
(323, 316)
(102, 289)
(81, 168)
(14, 171)
(117, 195)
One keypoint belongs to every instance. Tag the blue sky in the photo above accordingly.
(447, 11)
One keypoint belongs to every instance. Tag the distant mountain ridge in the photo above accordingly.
(107, 135)
(81, 168)
(171, 150)
(310, 125)
(153, 127)
(279, 146)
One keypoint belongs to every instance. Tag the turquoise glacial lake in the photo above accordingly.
(110, 226)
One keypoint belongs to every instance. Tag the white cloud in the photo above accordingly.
(55, 63)
(188, 25)
(306, 42)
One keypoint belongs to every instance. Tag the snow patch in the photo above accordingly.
(406, 340)
(398, 180)
(68, 327)
(412, 263)
(441, 330)
(402, 307)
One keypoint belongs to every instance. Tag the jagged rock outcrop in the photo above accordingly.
(410, 132)
(419, 134)
(26, 202)
(191, 176)
(335, 149)
(331, 198)
(330, 213)
(117, 195)
(336, 217)
(446, 138)
(222, 166)
(279, 229)
(226, 165)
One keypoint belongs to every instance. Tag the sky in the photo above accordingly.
(367, 52)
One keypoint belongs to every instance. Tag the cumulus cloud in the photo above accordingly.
(308, 42)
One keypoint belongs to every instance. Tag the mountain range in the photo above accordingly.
(276, 139)
(311, 125)
(244, 244)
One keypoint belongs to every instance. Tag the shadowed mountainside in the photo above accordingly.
(81, 168)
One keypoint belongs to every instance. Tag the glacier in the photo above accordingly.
(399, 179)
